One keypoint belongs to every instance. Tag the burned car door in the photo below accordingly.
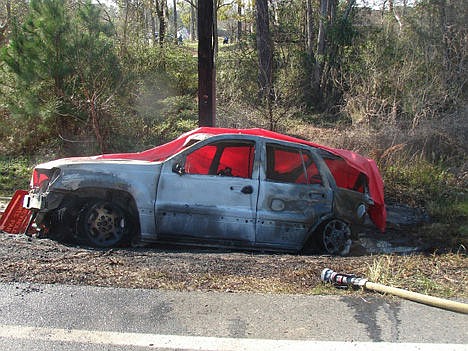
(294, 195)
(209, 192)
(351, 198)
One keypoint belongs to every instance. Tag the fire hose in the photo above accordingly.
(344, 280)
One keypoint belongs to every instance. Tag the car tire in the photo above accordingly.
(104, 224)
(61, 226)
(335, 237)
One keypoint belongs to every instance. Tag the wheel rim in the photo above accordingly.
(336, 237)
(104, 224)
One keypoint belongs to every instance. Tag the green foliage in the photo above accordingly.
(286, 26)
(408, 74)
(293, 65)
(432, 187)
(14, 174)
(237, 74)
(62, 72)
(37, 66)
(97, 73)
(177, 115)
(95, 64)
(172, 117)
(161, 82)
(166, 71)
(419, 183)
(182, 70)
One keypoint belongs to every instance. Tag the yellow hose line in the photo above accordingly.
(421, 298)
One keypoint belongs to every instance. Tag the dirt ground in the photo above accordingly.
(34, 260)
(398, 258)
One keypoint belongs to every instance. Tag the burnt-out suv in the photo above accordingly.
(247, 188)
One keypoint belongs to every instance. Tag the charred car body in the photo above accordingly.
(223, 187)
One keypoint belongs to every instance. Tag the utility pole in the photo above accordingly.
(206, 68)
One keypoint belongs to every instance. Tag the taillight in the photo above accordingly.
(38, 178)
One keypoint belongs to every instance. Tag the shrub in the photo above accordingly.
(14, 174)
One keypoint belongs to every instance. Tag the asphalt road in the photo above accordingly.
(58, 317)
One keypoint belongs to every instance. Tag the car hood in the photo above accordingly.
(69, 161)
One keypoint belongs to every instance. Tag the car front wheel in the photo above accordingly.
(104, 224)
(335, 237)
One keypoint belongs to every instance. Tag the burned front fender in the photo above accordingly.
(130, 183)
(74, 179)
(49, 196)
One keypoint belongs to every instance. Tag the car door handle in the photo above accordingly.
(316, 195)
(248, 189)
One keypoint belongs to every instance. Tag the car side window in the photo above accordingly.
(345, 176)
(199, 161)
(291, 165)
(225, 158)
(312, 172)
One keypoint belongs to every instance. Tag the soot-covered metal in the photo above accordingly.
(226, 189)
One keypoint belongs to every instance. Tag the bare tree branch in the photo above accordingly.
(191, 3)
(348, 9)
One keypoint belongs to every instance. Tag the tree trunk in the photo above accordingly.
(349, 7)
(4, 26)
(264, 48)
(250, 24)
(193, 23)
(146, 14)
(322, 27)
(314, 79)
(239, 22)
(123, 47)
(321, 46)
(310, 30)
(441, 4)
(176, 39)
(162, 20)
(153, 27)
(332, 5)
(265, 58)
(94, 114)
(166, 11)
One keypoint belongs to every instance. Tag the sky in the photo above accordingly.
(376, 4)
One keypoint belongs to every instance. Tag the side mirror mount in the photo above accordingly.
(178, 168)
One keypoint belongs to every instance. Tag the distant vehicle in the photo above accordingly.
(244, 188)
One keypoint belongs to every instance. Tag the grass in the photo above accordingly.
(441, 193)
(431, 275)
(419, 183)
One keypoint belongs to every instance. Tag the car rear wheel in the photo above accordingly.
(335, 237)
(104, 224)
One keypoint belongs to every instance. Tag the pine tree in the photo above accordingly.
(97, 69)
(36, 55)
(64, 68)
